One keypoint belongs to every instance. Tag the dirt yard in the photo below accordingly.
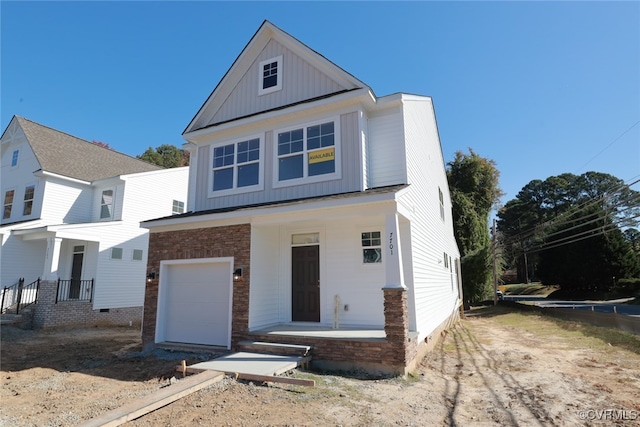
(494, 368)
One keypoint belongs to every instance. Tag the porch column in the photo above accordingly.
(394, 276)
(52, 258)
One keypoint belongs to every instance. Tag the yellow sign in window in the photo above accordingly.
(322, 155)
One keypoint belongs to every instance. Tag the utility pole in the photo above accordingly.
(494, 246)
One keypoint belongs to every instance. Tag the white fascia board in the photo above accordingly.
(65, 231)
(327, 208)
(166, 171)
(45, 174)
(277, 117)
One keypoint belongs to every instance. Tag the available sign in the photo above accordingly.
(322, 155)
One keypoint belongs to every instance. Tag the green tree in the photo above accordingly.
(570, 227)
(166, 155)
(473, 183)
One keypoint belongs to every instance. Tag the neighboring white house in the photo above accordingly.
(319, 214)
(71, 216)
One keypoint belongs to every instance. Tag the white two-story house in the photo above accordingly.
(71, 224)
(318, 214)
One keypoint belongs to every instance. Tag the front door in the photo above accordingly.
(76, 275)
(305, 283)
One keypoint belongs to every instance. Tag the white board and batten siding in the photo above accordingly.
(195, 301)
(350, 179)
(434, 284)
(301, 81)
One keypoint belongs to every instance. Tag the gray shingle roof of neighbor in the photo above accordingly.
(67, 155)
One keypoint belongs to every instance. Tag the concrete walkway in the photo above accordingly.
(251, 363)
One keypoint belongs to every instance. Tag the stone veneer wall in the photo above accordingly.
(47, 313)
(214, 242)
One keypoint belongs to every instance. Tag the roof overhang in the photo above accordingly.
(384, 200)
(65, 231)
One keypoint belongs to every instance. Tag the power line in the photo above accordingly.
(610, 144)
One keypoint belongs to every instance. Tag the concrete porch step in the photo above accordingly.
(9, 318)
(274, 348)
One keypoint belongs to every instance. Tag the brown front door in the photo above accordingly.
(305, 284)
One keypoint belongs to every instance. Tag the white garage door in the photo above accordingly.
(195, 304)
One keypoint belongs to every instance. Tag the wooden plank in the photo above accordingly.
(156, 400)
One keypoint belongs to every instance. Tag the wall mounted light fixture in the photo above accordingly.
(151, 276)
(237, 274)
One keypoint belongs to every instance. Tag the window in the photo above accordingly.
(14, 158)
(8, 204)
(106, 204)
(371, 247)
(270, 75)
(236, 166)
(116, 253)
(307, 153)
(441, 203)
(446, 260)
(137, 255)
(178, 207)
(28, 199)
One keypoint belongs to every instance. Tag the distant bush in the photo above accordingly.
(628, 285)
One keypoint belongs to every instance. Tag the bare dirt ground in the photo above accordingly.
(494, 368)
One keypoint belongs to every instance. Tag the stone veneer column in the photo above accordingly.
(396, 322)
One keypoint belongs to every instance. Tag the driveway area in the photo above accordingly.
(495, 368)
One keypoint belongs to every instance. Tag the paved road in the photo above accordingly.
(599, 306)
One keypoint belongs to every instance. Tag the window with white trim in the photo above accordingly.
(270, 75)
(136, 255)
(8, 203)
(309, 153)
(29, 193)
(236, 166)
(14, 157)
(116, 253)
(178, 207)
(106, 204)
(441, 197)
(371, 247)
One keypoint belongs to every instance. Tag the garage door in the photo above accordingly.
(195, 304)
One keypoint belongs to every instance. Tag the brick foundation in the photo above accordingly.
(48, 314)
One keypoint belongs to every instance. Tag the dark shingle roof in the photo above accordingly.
(66, 155)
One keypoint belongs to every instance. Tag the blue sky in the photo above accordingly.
(542, 88)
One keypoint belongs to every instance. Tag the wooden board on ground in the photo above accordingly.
(156, 400)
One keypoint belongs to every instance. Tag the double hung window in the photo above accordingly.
(307, 152)
(28, 199)
(236, 166)
(106, 205)
(8, 203)
(371, 247)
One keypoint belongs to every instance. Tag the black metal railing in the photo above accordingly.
(19, 296)
(74, 290)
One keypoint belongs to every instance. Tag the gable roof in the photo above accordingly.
(69, 156)
(265, 34)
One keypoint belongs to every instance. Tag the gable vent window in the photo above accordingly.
(14, 158)
(236, 167)
(270, 75)
(28, 199)
(8, 203)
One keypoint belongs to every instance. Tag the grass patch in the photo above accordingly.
(568, 332)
